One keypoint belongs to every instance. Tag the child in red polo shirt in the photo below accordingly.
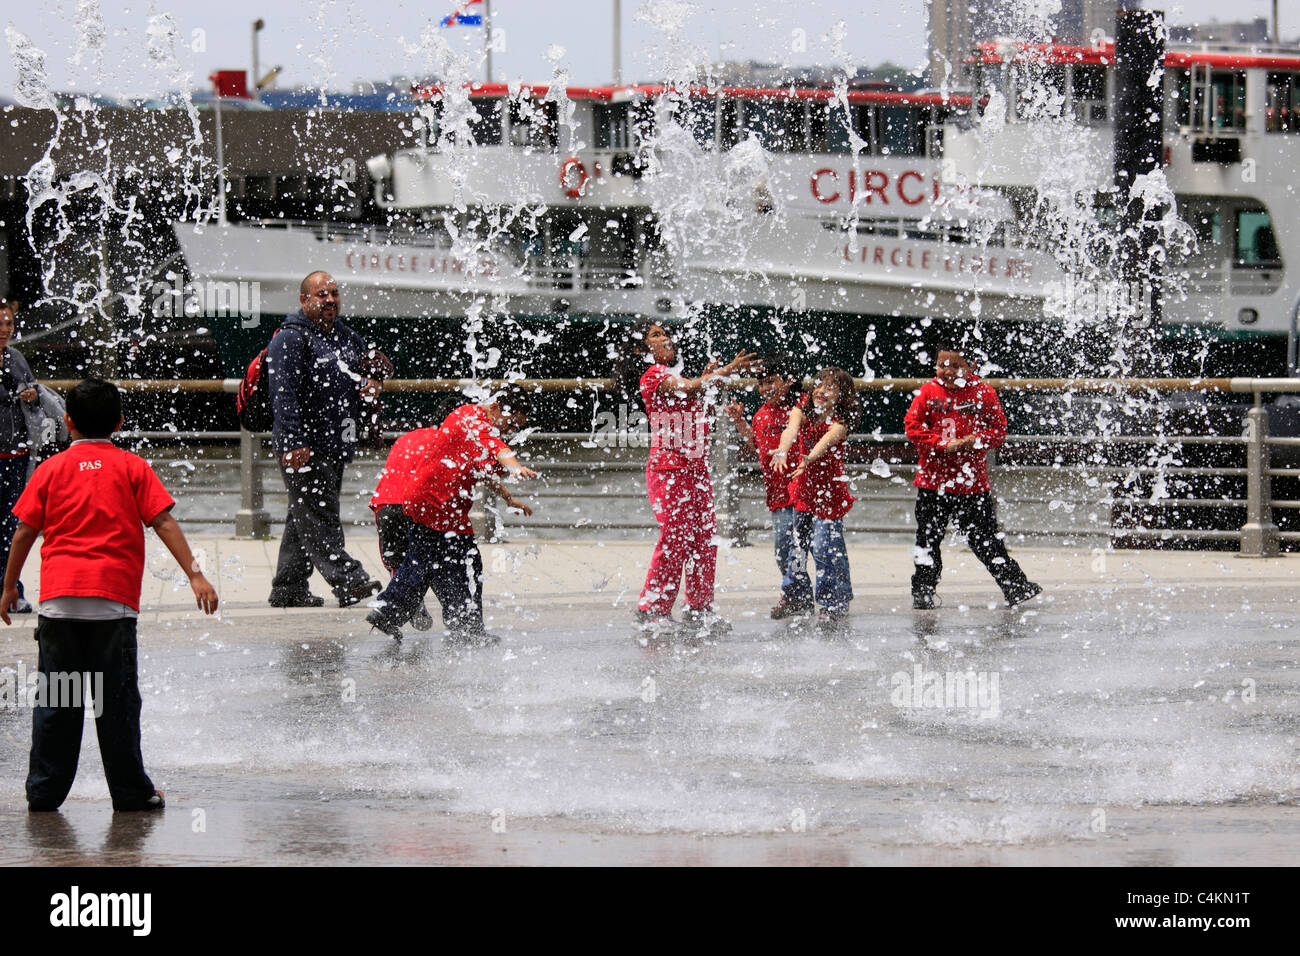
(777, 388)
(441, 553)
(953, 422)
(389, 506)
(91, 504)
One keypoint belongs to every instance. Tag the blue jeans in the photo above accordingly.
(825, 539)
(794, 578)
(13, 478)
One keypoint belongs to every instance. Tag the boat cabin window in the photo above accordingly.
(1088, 93)
(700, 117)
(534, 123)
(1283, 102)
(1212, 99)
(613, 125)
(1207, 224)
(1040, 89)
(778, 124)
(828, 132)
(902, 130)
(1256, 242)
(485, 121)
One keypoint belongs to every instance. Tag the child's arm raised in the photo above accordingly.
(169, 532)
(736, 412)
(511, 464)
(834, 435)
(24, 538)
(780, 463)
(743, 362)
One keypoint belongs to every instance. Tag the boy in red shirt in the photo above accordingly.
(91, 503)
(441, 553)
(389, 501)
(953, 422)
(777, 388)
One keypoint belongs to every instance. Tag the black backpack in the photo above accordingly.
(253, 400)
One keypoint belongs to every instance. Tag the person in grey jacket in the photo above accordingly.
(17, 386)
(316, 377)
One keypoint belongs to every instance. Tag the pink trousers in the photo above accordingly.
(682, 499)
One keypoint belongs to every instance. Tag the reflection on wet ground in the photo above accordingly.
(1149, 724)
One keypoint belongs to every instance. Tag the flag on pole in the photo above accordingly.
(463, 17)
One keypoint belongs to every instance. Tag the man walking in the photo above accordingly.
(316, 376)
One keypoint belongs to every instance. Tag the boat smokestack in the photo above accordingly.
(1139, 149)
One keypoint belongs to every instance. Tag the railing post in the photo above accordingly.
(252, 520)
(1259, 535)
(731, 521)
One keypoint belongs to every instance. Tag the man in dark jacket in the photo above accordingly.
(315, 368)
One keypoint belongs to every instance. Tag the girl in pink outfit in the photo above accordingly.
(677, 478)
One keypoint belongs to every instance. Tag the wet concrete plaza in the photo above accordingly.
(1144, 710)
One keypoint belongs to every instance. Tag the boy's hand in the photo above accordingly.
(736, 412)
(779, 461)
(297, 458)
(205, 593)
(803, 466)
(522, 472)
(517, 505)
(964, 443)
(7, 601)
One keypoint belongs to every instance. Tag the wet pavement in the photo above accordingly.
(1144, 710)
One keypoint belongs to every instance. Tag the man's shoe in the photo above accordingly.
(22, 606)
(832, 621)
(1023, 594)
(355, 595)
(925, 602)
(305, 599)
(378, 619)
(156, 802)
(790, 608)
(422, 620)
(706, 622)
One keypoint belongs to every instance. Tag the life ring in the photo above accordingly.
(571, 189)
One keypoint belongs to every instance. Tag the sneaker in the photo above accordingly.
(358, 593)
(654, 622)
(925, 602)
(705, 621)
(1022, 594)
(156, 802)
(422, 620)
(831, 621)
(22, 606)
(377, 619)
(790, 608)
(288, 599)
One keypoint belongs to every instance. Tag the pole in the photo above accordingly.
(618, 45)
(487, 36)
(221, 166)
(257, 72)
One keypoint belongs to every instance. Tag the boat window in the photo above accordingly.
(1283, 99)
(1212, 99)
(534, 123)
(902, 131)
(643, 123)
(864, 124)
(730, 132)
(1208, 226)
(699, 117)
(1088, 90)
(613, 126)
(1256, 242)
(778, 124)
(1040, 89)
(485, 122)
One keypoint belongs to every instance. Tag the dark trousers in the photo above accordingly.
(106, 650)
(977, 518)
(451, 565)
(13, 478)
(394, 527)
(313, 532)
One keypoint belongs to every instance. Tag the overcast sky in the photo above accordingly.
(337, 42)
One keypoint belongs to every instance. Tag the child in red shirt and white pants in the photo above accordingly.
(953, 422)
(91, 503)
(441, 552)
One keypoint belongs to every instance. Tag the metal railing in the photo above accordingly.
(581, 455)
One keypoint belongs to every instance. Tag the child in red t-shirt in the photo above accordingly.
(91, 504)
(820, 491)
(953, 422)
(677, 477)
(441, 553)
(777, 389)
(389, 505)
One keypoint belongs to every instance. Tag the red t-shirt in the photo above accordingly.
(403, 460)
(938, 416)
(769, 422)
(91, 504)
(679, 423)
(823, 488)
(462, 452)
